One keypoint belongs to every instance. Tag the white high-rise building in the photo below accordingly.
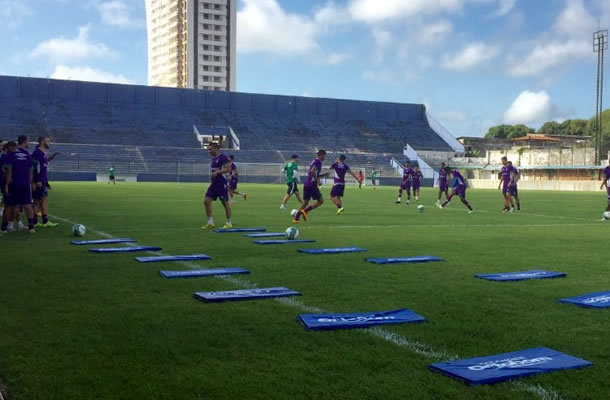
(192, 43)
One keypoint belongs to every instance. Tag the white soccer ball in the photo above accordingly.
(421, 208)
(607, 215)
(79, 230)
(294, 212)
(292, 233)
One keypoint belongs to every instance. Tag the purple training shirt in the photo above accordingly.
(311, 181)
(219, 181)
(20, 162)
(41, 166)
(340, 171)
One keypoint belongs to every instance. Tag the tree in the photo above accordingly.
(508, 131)
(567, 127)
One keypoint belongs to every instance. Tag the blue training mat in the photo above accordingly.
(283, 241)
(237, 230)
(407, 260)
(521, 275)
(102, 241)
(189, 257)
(124, 249)
(359, 320)
(507, 366)
(337, 250)
(266, 235)
(200, 273)
(246, 294)
(591, 300)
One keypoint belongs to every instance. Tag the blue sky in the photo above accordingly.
(474, 63)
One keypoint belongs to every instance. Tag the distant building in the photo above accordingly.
(192, 43)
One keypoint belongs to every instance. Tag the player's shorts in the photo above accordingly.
(608, 191)
(311, 193)
(505, 188)
(233, 183)
(218, 193)
(18, 196)
(111, 178)
(337, 191)
(374, 182)
(293, 187)
(513, 191)
(443, 187)
(40, 193)
(460, 190)
(405, 186)
(416, 186)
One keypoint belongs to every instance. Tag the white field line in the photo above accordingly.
(401, 341)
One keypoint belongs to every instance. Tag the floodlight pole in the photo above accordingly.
(600, 45)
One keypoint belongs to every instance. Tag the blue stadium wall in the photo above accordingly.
(285, 106)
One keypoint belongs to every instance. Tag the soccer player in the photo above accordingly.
(218, 189)
(606, 183)
(373, 178)
(360, 179)
(18, 185)
(336, 193)
(40, 162)
(233, 181)
(417, 176)
(22, 147)
(512, 188)
(505, 181)
(2, 154)
(443, 186)
(310, 187)
(111, 177)
(292, 180)
(407, 179)
(458, 188)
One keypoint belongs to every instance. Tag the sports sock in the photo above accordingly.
(519, 205)
(308, 209)
(45, 218)
(229, 221)
(467, 204)
(9, 225)
(4, 226)
(31, 222)
(210, 221)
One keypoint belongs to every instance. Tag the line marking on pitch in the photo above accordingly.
(401, 341)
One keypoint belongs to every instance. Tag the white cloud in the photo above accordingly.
(118, 13)
(470, 56)
(504, 8)
(337, 58)
(61, 50)
(545, 56)
(88, 74)
(529, 107)
(436, 32)
(574, 20)
(12, 13)
(373, 11)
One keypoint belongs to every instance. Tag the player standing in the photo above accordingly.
(458, 188)
(40, 162)
(218, 189)
(505, 181)
(111, 177)
(407, 179)
(373, 178)
(336, 193)
(360, 179)
(606, 183)
(234, 178)
(18, 185)
(443, 186)
(513, 191)
(292, 180)
(417, 176)
(310, 187)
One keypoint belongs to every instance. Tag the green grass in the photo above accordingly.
(76, 325)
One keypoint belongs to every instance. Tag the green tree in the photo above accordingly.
(508, 131)
(567, 127)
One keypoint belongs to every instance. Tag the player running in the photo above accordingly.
(458, 188)
(40, 162)
(407, 179)
(373, 178)
(233, 179)
(310, 188)
(220, 166)
(18, 186)
(292, 180)
(443, 186)
(505, 182)
(360, 179)
(417, 177)
(512, 188)
(606, 183)
(111, 177)
(336, 193)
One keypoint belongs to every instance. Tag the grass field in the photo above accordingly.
(76, 325)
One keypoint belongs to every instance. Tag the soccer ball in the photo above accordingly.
(292, 233)
(421, 208)
(294, 212)
(607, 215)
(79, 230)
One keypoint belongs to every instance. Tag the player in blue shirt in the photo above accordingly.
(458, 188)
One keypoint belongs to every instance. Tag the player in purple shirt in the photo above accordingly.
(458, 188)
(407, 180)
(311, 187)
(2, 155)
(506, 181)
(218, 189)
(40, 162)
(513, 191)
(336, 193)
(442, 182)
(18, 176)
(233, 179)
(606, 184)
(417, 176)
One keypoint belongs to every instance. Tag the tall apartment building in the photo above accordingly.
(192, 43)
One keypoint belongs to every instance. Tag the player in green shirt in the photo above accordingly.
(111, 175)
(374, 178)
(292, 180)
